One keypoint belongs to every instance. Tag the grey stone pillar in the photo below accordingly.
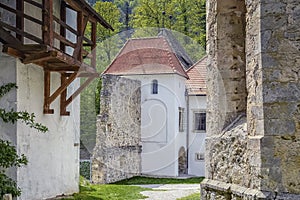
(257, 155)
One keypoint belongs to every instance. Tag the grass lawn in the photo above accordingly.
(107, 192)
(195, 196)
(124, 190)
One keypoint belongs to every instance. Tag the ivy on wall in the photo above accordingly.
(8, 154)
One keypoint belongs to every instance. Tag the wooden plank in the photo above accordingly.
(61, 68)
(64, 40)
(7, 38)
(13, 52)
(20, 14)
(24, 34)
(33, 58)
(47, 77)
(64, 25)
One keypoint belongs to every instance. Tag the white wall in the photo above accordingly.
(53, 167)
(161, 139)
(196, 139)
(53, 156)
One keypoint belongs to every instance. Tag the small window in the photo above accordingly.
(200, 121)
(199, 156)
(154, 87)
(181, 112)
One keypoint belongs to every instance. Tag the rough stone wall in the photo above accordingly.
(118, 143)
(253, 152)
(280, 72)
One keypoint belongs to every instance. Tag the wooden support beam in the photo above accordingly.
(82, 21)
(63, 86)
(47, 77)
(48, 22)
(93, 47)
(82, 87)
(48, 99)
(20, 19)
(62, 28)
(33, 58)
(63, 97)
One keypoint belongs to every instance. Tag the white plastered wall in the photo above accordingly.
(161, 139)
(196, 139)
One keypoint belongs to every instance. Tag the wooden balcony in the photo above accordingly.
(58, 35)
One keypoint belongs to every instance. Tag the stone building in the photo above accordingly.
(117, 153)
(253, 132)
(172, 130)
(41, 45)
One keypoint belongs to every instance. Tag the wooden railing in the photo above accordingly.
(54, 28)
(53, 34)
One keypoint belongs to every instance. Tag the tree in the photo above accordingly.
(8, 154)
(184, 16)
(108, 45)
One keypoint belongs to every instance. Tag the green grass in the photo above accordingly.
(107, 192)
(140, 180)
(124, 190)
(195, 196)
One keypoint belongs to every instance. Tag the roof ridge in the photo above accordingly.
(169, 49)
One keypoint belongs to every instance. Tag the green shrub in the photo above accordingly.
(85, 169)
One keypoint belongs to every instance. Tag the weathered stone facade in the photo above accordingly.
(116, 155)
(253, 143)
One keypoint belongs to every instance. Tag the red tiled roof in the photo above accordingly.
(146, 56)
(196, 85)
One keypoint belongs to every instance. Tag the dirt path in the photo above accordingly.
(170, 191)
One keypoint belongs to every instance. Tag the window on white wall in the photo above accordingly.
(181, 115)
(199, 121)
(154, 87)
(199, 156)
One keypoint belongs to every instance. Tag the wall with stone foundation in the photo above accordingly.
(117, 155)
(253, 143)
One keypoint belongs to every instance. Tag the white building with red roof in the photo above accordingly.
(173, 99)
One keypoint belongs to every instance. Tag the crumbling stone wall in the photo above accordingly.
(253, 143)
(116, 155)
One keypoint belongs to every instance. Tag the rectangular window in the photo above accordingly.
(181, 112)
(199, 156)
(199, 121)
(154, 87)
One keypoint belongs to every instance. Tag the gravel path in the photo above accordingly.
(170, 191)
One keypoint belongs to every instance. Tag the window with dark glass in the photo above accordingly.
(154, 87)
(181, 112)
(199, 121)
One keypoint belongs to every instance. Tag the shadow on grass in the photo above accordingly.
(141, 180)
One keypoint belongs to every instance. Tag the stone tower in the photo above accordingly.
(253, 136)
